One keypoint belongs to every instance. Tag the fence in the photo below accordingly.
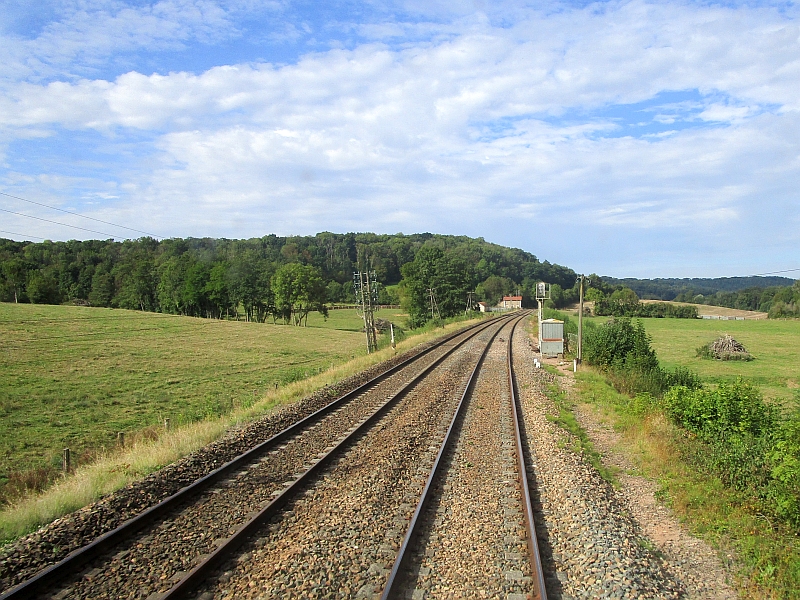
(721, 318)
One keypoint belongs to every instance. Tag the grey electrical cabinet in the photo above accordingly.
(551, 338)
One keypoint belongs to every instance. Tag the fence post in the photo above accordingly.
(65, 462)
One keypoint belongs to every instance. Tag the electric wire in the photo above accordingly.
(57, 223)
(773, 273)
(69, 212)
(23, 235)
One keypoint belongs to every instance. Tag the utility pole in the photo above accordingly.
(580, 324)
(434, 307)
(365, 285)
(470, 303)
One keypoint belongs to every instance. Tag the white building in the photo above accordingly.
(511, 302)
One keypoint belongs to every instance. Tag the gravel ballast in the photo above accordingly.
(590, 545)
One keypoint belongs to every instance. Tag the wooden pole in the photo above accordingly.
(65, 461)
(121, 439)
(580, 325)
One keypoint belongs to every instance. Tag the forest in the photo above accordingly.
(777, 296)
(223, 278)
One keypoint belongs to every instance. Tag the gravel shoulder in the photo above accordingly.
(693, 562)
(688, 560)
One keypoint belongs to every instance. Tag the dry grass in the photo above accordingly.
(143, 455)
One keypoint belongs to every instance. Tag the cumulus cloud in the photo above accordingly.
(468, 122)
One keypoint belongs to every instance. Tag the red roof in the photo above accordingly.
(512, 298)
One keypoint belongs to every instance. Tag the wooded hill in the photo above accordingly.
(670, 288)
(215, 277)
(777, 296)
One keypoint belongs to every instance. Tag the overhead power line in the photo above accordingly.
(69, 212)
(22, 235)
(57, 223)
(774, 272)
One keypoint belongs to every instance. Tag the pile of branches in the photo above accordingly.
(724, 348)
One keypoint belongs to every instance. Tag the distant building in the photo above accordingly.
(511, 302)
(482, 306)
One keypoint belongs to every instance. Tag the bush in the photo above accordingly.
(784, 457)
(620, 343)
(731, 408)
(683, 377)
(746, 442)
(660, 310)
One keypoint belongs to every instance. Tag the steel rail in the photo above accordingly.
(539, 591)
(201, 571)
(393, 584)
(67, 566)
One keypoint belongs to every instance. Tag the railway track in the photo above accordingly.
(170, 547)
(472, 532)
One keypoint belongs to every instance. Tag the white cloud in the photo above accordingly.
(464, 132)
(86, 34)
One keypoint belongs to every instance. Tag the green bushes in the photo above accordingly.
(622, 348)
(731, 408)
(625, 303)
(746, 442)
(738, 437)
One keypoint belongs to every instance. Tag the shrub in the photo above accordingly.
(784, 457)
(620, 343)
(731, 408)
(623, 350)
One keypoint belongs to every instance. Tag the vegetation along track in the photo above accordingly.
(472, 532)
(181, 530)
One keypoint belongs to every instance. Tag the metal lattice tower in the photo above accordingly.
(365, 285)
(434, 306)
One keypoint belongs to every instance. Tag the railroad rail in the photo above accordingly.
(202, 571)
(47, 579)
(401, 578)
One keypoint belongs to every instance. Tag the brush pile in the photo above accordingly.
(724, 348)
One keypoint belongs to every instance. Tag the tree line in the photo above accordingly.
(666, 288)
(777, 301)
(270, 276)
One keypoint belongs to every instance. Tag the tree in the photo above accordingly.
(217, 289)
(42, 287)
(102, 288)
(448, 275)
(298, 290)
(15, 272)
(494, 288)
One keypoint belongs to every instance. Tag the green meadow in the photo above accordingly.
(75, 376)
(774, 344)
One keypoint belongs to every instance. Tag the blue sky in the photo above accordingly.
(623, 138)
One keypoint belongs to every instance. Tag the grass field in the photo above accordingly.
(775, 344)
(75, 376)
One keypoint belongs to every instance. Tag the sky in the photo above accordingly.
(632, 139)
